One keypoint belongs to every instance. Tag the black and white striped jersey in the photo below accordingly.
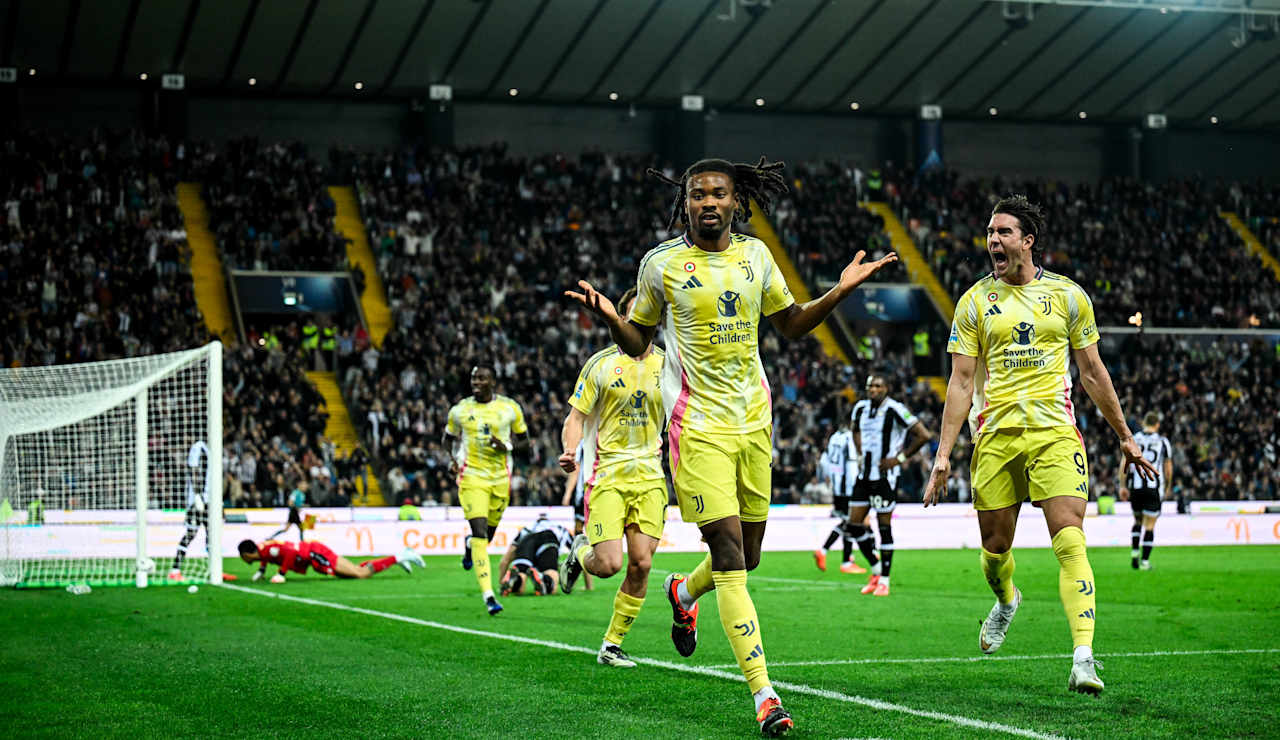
(530, 541)
(883, 430)
(1156, 448)
(198, 484)
(840, 448)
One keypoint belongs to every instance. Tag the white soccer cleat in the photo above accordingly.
(614, 656)
(408, 559)
(1084, 677)
(991, 634)
(1144, 565)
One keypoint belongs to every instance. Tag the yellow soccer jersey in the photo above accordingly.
(712, 380)
(474, 423)
(622, 438)
(1022, 336)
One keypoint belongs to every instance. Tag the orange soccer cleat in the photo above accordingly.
(872, 582)
(820, 557)
(882, 589)
(774, 720)
(851, 567)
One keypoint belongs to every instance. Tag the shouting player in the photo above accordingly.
(1011, 344)
(1144, 496)
(318, 557)
(616, 415)
(480, 432)
(715, 285)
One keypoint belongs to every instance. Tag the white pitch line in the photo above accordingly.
(984, 658)
(698, 670)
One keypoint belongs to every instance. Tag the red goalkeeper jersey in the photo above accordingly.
(287, 555)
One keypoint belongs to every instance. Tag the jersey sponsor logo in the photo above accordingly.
(1024, 333)
(746, 267)
(690, 267)
(637, 399)
(995, 309)
(728, 303)
(692, 282)
(1046, 306)
(618, 383)
(1091, 328)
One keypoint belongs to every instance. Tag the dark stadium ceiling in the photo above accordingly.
(1115, 60)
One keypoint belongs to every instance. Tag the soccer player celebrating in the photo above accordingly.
(880, 426)
(534, 556)
(318, 557)
(1145, 497)
(1010, 361)
(619, 405)
(197, 516)
(480, 431)
(716, 284)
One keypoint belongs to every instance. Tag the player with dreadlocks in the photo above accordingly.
(717, 284)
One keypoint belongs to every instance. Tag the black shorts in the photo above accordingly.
(840, 505)
(295, 517)
(539, 551)
(875, 494)
(578, 509)
(1145, 501)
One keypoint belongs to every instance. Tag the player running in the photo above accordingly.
(1017, 324)
(1144, 497)
(318, 557)
(880, 426)
(480, 432)
(616, 417)
(715, 285)
(533, 557)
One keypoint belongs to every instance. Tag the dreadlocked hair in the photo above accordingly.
(761, 182)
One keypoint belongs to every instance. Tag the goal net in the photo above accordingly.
(112, 471)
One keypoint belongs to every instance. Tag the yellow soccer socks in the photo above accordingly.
(625, 610)
(998, 568)
(697, 583)
(738, 617)
(480, 557)
(1075, 584)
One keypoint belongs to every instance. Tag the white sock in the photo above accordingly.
(606, 643)
(1008, 608)
(486, 595)
(875, 569)
(765, 694)
(1083, 652)
(884, 580)
(682, 592)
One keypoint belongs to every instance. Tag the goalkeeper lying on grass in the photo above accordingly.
(321, 559)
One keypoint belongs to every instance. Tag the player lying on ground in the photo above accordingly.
(533, 558)
(321, 559)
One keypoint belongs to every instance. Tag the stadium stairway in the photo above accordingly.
(340, 430)
(764, 231)
(349, 224)
(207, 276)
(1251, 242)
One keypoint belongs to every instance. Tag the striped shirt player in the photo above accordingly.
(1145, 496)
(533, 557)
(197, 503)
(880, 448)
(839, 469)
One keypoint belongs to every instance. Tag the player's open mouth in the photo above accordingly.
(999, 258)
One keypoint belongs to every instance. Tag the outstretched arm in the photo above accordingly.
(954, 412)
(570, 436)
(1097, 383)
(633, 338)
(795, 320)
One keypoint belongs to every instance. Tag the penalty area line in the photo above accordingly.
(696, 670)
(986, 658)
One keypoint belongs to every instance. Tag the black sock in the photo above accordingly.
(866, 543)
(848, 549)
(886, 549)
(1134, 534)
(1148, 541)
(831, 538)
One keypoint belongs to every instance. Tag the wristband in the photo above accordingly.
(901, 458)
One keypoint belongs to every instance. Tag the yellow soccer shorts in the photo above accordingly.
(722, 475)
(1010, 466)
(484, 498)
(612, 505)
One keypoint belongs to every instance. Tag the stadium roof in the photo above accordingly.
(1114, 60)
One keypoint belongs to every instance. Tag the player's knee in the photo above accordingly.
(638, 569)
(997, 544)
(752, 560)
(605, 564)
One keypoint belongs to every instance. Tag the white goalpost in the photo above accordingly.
(111, 472)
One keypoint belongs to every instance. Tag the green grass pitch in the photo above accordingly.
(1191, 649)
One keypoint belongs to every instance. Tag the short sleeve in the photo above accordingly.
(908, 418)
(964, 338)
(587, 390)
(776, 295)
(650, 294)
(452, 427)
(1082, 326)
(517, 424)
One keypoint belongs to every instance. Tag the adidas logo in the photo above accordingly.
(1087, 614)
(993, 311)
(692, 282)
(618, 383)
(758, 652)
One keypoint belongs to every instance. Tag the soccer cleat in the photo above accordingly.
(548, 584)
(408, 559)
(882, 589)
(511, 581)
(614, 656)
(1133, 560)
(570, 569)
(851, 567)
(872, 582)
(991, 633)
(493, 606)
(774, 720)
(1084, 677)
(820, 557)
(1144, 565)
(466, 553)
(175, 575)
(684, 627)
